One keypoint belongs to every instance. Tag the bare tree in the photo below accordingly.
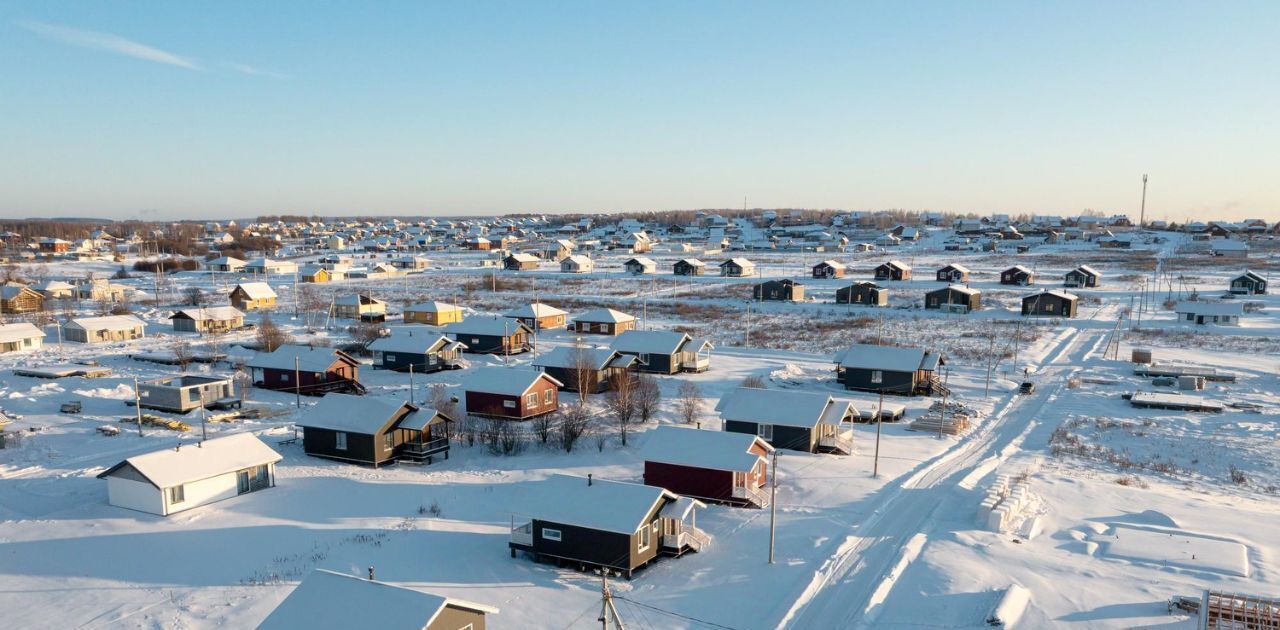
(575, 419)
(689, 401)
(270, 336)
(621, 402)
(183, 355)
(313, 305)
(442, 400)
(754, 382)
(365, 334)
(582, 374)
(648, 396)
(543, 426)
(193, 296)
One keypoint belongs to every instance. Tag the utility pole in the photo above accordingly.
(747, 341)
(410, 383)
(875, 467)
(137, 404)
(297, 384)
(1142, 217)
(773, 505)
(946, 376)
(991, 363)
(607, 609)
(204, 435)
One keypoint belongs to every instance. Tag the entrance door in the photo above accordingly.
(242, 482)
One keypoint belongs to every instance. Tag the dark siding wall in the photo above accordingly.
(486, 404)
(702, 483)
(420, 362)
(892, 382)
(566, 376)
(360, 447)
(658, 363)
(586, 545)
(791, 438)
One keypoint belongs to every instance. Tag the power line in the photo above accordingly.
(709, 624)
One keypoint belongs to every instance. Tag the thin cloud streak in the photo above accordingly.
(108, 42)
(255, 71)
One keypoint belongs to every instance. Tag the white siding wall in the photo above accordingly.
(199, 493)
(134, 495)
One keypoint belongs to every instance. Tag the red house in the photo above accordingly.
(720, 466)
(306, 370)
(511, 393)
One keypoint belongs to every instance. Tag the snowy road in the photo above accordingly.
(850, 588)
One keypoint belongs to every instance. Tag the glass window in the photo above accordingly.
(548, 395)
(877, 376)
(551, 534)
(389, 440)
(765, 431)
(532, 399)
(340, 441)
(177, 494)
(643, 542)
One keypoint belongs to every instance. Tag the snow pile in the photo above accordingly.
(1008, 610)
(1007, 502)
(119, 392)
(789, 374)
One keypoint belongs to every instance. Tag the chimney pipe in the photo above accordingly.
(588, 479)
(371, 572)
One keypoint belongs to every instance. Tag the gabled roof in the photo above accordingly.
(432, 307)
(486, 326)
(599, 358)
(410, 343)
(642, 261)
(740, 262)
(524, 258)
(783, 407)
(308, 359)
(889, 358)
(579, 260)
(10, 333)
(1209, 308)
(604, 315)
(1071, 297)
(256, 290)
(611, 506)
(1250, 274)
(504, 381)
(358, 299)
(898, 264)
(693, 262)
(216, 313)
(650, 341)
(193, 462)
(831, 263)
(719, 450)
(10, 292)
(326, 599)
(956, 267)
(107, 322)
(958, 288)
(1018, 268)
(530, 311)
(354, 414)
(1088, 270)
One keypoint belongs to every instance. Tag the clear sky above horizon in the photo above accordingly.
(233, 109)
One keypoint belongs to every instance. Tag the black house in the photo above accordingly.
(863, 293)
(422, 353)
(889, 369)
(1082, 276)
(893, 270)
(953, 273)
(689, 267)
(1249, 283)
(491, 335)
(812, 422)
(1050, 304)
(373, 431)
(954, 299)
(785, 290)
(1017, 275)
(595, 523)
(593, 369)
(664, 352)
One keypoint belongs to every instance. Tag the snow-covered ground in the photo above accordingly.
(1133, 506)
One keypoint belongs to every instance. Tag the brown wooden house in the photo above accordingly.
(720, 466)
(510, 393)
(1017, 275)
(373, 431)
(306, 370)
(16, 299)
(828, 269)
(521, 262)
(863, 294)
(953, 273)
(327, 599)
(785, 290)
(954, 298)
(539, 316)
(893, 270)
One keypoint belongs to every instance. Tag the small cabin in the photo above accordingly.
(591, 369)
(314, 274)
(1017, 275)
(360, 306)
(785, 290)
(828, 269)
(181, 394)
(603, 321)
(20, 336)
(1249, 283)
(404, 351)
(373, 431)
(811, 422)
(1083, 276)
(894, 270)
(521, 262)
(953, 273)
(577, 263)
(106, 329)
(689, 267)
(19, 299)
(252, 296)
(306, 370)
(492, 335)
(432, 313)
(863, 294)
(208, 320)
(737, 268)
(640, 265)
(510, 393)
(327, 599)
(539, 316)
(714, 466)
(1209, 313)
(1050, 304)
(953, 299)
(665, 352)
(889, 369)
(225, 264)
(191, 475)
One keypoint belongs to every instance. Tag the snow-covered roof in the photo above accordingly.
(740, 262)
(256, 290)
(957, 267)
(1054, 292)
(52, 285)
(579, 260)
(642, 261)
(217, 313)
(432, 307)
(309, 359)
(1229, 245)
(193, 462)
(408, 342)
(1250, 274)
(106, 322)
(504, 381)
(1019, 268)
(611, 506)
(605, 315)
(10, 333)
(693, 262)
(899, 264)
(529, 311)
(958, 288)
(325, 599)
(524, 258)
(832, 263)
(719, 450)
(1089, 270)
(783, 407)
(353, 414)
(566, 357)
(358, 299)
(890, 358)
(487, 326)
(650, 341)
(1209, 308)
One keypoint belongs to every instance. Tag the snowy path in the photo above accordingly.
(849, 589)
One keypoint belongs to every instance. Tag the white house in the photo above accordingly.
(1201, 313)
(1229, 248)
(15, 337)
(191, 475)
(326, 599)
(103, 329)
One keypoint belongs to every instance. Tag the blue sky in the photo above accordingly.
(230, 109)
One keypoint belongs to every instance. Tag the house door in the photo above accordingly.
(739, 479)
(242, 482)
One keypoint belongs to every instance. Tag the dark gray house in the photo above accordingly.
(373, 431)
(953, 273)
(1249, 283)
(954, 299)
(491, 335)
(889, 369)
(598, 524)
(1050, 304)
(1083, 276)
(893, 270)
(689, 267)
(1017, 275)
(665, 352)
(181, 394)
(812, 422)
(785, 290)
(863, 294)
(598, 367)
(421, 353)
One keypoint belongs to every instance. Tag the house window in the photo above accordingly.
(765, 431)
(340, 441)
(177, 494)
(532, 399)
(548, 395)
(388, 440)
(643, 357)
(509, 404)
(550, 534)
(389, 358)
(284, 377)
(877, 376)
(643, 542)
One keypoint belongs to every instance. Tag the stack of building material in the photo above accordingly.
(1004, 502)
(1141, 355)
(1190, 383)
(934, 422)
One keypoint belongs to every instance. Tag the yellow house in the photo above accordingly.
(314, 273)
(252, 296)
(432, 313)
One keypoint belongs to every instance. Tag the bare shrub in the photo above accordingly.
(648, 396)
(622, 404)
(573, 423)
(689, 401)
(271, 336)
(755, 381)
